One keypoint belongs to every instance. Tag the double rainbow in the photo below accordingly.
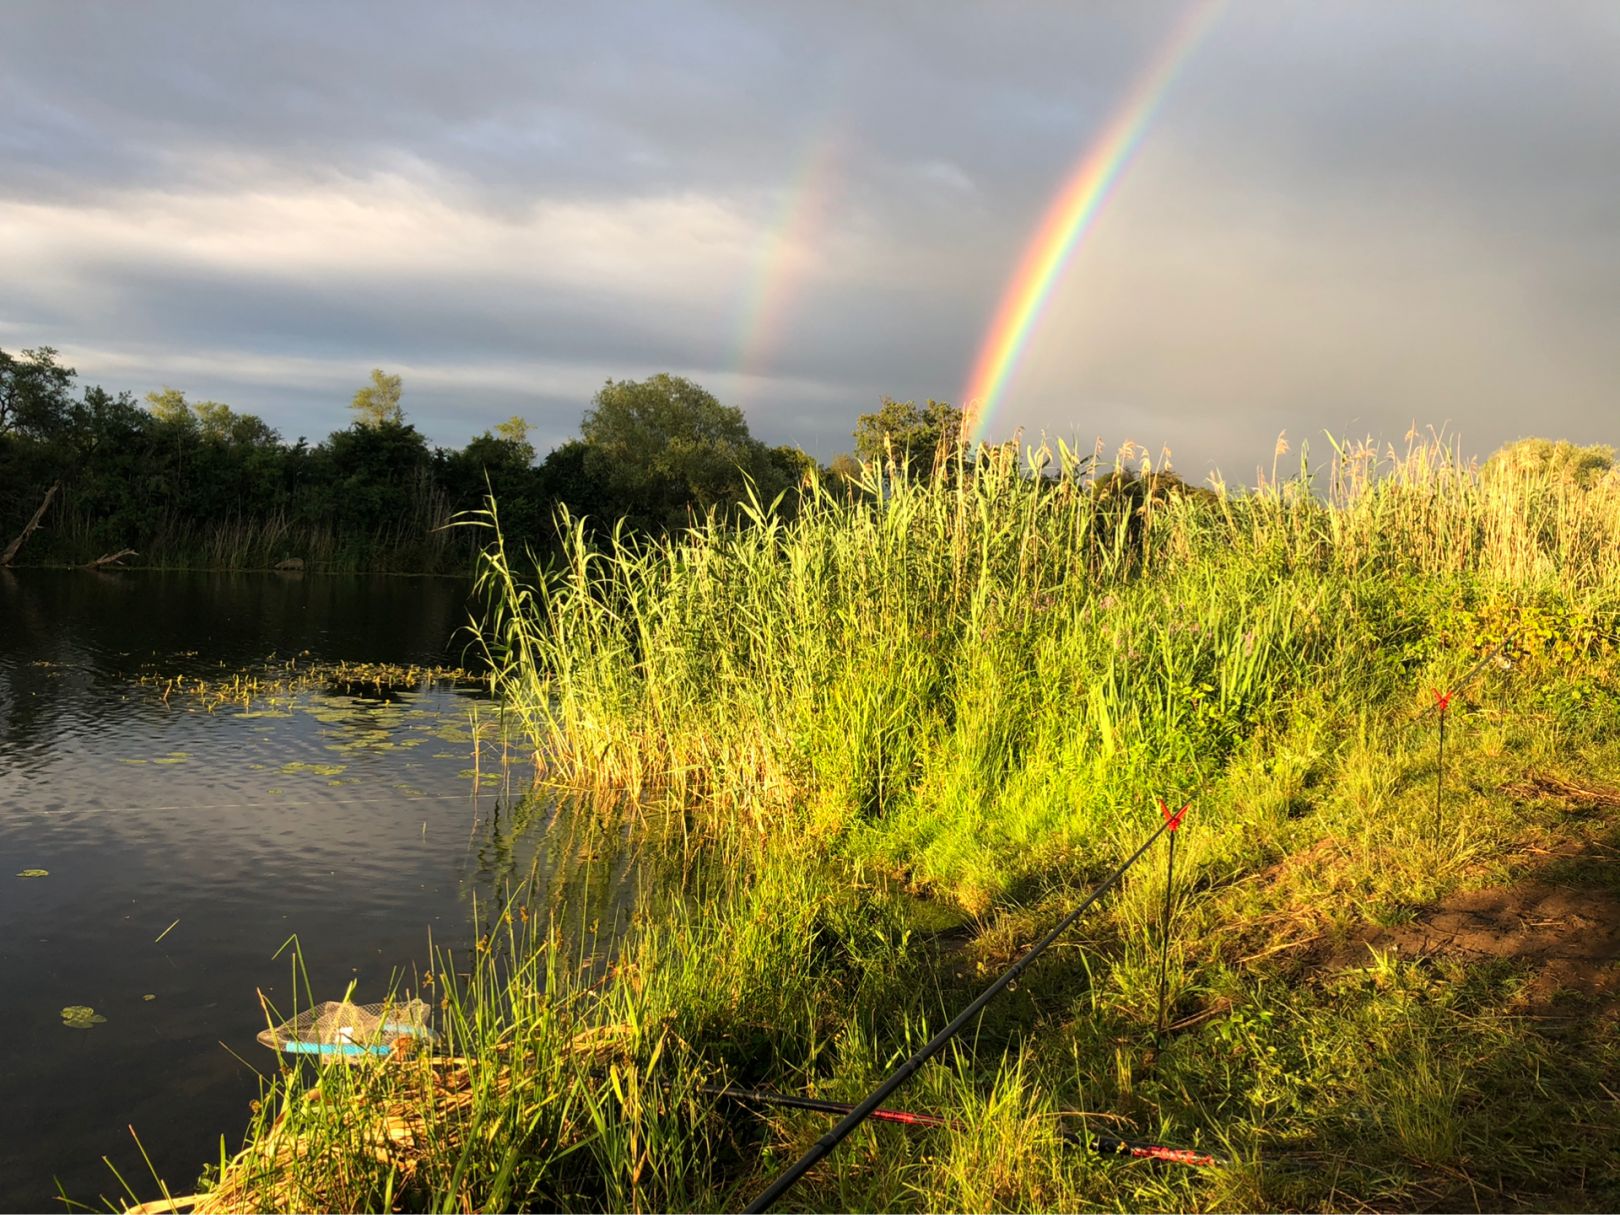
(1069, 217)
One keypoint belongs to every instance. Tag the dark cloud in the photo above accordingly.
(1347, 215)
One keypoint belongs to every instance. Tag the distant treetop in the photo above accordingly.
(377, 404)
(908, 434)
(1557, 459)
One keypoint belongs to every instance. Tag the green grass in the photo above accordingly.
(865, 757)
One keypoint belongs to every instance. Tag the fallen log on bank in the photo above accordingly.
(16, 545)
(110, 558)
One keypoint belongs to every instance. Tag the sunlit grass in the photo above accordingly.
(867, 754)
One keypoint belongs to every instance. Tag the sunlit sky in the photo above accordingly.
(1342, 217)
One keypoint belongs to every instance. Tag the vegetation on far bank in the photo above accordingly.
(198, 484)
(865, 755)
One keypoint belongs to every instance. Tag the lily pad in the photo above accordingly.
(81, 1016)
(31, 873)
(265, 713)
(313, 769)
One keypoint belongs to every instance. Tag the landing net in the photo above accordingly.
(341, 1030)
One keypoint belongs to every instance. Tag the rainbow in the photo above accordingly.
(1069, 217)
(784, 255)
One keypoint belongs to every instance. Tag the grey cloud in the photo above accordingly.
(1433, 183)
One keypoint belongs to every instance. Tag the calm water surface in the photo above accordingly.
(351, 821)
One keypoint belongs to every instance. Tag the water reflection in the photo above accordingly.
(185, 845)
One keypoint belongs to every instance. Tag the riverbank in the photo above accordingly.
(132, 566)
(871, 754)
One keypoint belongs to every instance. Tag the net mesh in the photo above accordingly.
(338, 1027)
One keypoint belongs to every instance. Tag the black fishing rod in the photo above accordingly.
(1161, 1023)
(1106, 1145)
(1442, 707)
(1442, 700)
(859, 1113)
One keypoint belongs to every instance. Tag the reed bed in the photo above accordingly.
(966, 673)
(866, 754)
(421, 542)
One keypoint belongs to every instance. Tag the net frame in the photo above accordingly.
(345, 1030)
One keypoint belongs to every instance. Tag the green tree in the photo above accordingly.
(1551, 459)
(378, 480)
(506, 446)
(214, 419)
(664, 445)
(911, 435)
(563, 477)
(171, 408)
(792, 463)
(34, 394)
(377, 404)
(52, 444)
(845, 467)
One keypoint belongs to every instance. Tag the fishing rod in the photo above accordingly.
(1442, 707)
(1105, 1145)
(861, 1112)
(1442, 701)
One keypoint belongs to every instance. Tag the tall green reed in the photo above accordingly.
(945, 668)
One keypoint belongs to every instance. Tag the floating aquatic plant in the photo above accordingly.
(297, 766)
(81, 1016)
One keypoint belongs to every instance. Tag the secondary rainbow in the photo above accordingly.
(784, 256)
(1069, 217)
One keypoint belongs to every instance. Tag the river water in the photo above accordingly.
(183, 841)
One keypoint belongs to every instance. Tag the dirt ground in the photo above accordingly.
(1567, 938)
(1560, 922)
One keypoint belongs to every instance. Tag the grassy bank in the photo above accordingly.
(867, 756)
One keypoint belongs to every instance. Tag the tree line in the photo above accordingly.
(86, 474)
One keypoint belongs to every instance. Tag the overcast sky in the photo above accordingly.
(1344, 218)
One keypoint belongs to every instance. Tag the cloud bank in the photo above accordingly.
(1346, 217)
